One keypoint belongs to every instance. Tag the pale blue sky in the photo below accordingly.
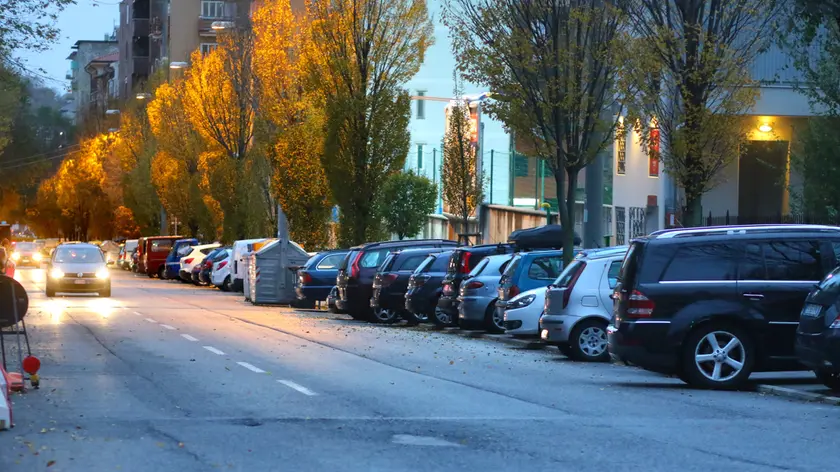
(88, 19)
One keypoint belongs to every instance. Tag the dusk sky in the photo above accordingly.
(88, 19)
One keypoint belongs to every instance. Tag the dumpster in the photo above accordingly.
(271, 280)
(248, 262)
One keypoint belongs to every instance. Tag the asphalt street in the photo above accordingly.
(165, 377)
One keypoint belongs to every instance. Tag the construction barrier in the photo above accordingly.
(5, 401)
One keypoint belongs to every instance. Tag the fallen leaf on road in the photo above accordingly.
(43, 430)
(180, 444)
(50, 463)
(451, 362)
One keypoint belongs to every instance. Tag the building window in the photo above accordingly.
(212, 9)
(419, 156)
(621, 161)
(207, 48)
(421, 105)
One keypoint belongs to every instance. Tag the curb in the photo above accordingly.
(798, 394)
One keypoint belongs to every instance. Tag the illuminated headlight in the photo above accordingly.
(15, 256)
(37, 257)
(522, 302)
(102, 273)
(56, 274)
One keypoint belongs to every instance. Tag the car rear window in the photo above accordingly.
(388, 263)
(545, 267)
(207, 250)
(440, 262)
(347, 259)
(511, 269)
(373, 258)
(612, 273)
(410, 263)
(702, 262)
(566, 277)
(330, 262)
(630, 262)
(477, 269)
(161, 246)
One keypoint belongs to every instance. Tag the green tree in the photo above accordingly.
(463, 185)
(408, 199)
(551, 67)
(690, 81)
(361, 54)
(814, 157)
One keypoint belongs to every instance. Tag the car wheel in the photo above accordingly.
(493, 321)
(226, 285)
(588, 341)
(718, 356)
(50, 290)
(162, 273)
(385, 316)
(105, 293)
(441, 318)
(414, 319)
(829, 379)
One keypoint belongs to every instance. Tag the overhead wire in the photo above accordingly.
(21, 159)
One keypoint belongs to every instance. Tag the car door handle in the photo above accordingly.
(754, 296)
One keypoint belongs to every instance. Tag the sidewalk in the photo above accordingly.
(795, 385)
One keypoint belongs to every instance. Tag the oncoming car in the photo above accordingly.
(78, 268)
(27, 254)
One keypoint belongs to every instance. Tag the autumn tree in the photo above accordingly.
(361, 54)
(551, 67)
(689, 83)
(463, 184)
(408, 199)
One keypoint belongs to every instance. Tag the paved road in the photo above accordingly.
(168, 377)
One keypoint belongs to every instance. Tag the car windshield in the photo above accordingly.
(79, 255)
(26, 247)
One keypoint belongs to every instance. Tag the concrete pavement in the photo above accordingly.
(169, 377)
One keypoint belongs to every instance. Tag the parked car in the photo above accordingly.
(172, 266)
(134, 261)
(241, 250)
(220, 276)
(390, 283)
(155, 252)
(712, 305)
(479, 292)
(331, 299)
(128, 250)
(139, 266)
(194, 258)
(355, 279)
(27, 254)
(111, 251)
(205, 273)
(818, 334)
(78, 268)
(522, 313)
(317, 278)
(462, 261)
(526, 271)
(578, 305)
(424, 287)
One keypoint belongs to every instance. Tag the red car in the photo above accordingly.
(154, 252)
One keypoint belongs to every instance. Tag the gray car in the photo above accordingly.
(78, 268)
(477, 296)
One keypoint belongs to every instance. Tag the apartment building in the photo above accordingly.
(81, 82)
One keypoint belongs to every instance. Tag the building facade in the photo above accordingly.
(142, 40)
(81, 83)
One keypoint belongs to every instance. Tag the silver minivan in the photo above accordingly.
(477, 296)
(578, 306)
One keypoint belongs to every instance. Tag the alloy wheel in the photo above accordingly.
(720, 356)
(499, 319)
(443, 317)
(384, 315)
(593, 341)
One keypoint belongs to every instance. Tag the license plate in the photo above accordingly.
(80, 282)
(811, 311)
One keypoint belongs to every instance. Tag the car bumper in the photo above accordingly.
(522, 321)
(186, 275)
(313, 293)
(555, 329)
(473, 308)
(73, 285)
(642, 345)
(819, 351)
(448, 305)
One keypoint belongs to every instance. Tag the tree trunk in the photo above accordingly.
(562, 208)
(569, 228)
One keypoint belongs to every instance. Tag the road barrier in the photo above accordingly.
(5, 401)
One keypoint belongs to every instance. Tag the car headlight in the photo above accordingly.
(522, 302)
(15, 256)
(37, 257)
(102, 273)
(56, 273)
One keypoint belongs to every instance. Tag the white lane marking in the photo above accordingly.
(251, 367)
(410, 440)
(188, 337)
(298, 387)
(167, 326)
(138, 313)
(214, 350)
(151, 320)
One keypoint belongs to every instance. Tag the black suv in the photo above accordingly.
(391, 283)
(818, 335)
(712, 305)
(355, 274)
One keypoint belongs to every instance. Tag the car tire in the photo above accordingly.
(105, 293)
(50, 290)
(829, 379)
(492, 323)
(588, 341)
(413, 319)
(385, 316)
(161, 273)
(226, 285)
(441, 319)
(728, 357)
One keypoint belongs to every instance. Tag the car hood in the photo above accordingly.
(71, 267)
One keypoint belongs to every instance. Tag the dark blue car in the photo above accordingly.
(180, 248)
(317, 277)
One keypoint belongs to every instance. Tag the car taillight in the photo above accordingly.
(639, 306)
(420, 281)
(568, 292)
(447, 288)
(465, 263)
(388, 279)
(513, 291)
(188, 261)
(305, 278)
(836, 323)
(354, 268)
(208, 264)
(474, 285)
(222, 264)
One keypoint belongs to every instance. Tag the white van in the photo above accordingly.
(241, 250)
